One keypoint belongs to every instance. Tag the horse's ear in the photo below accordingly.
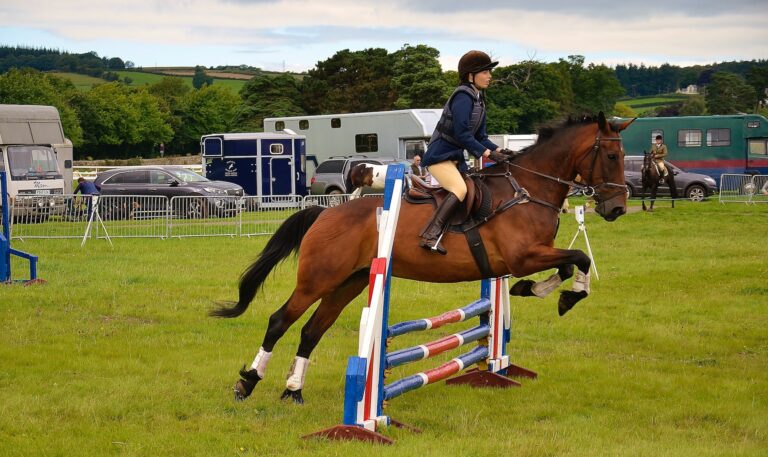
(618, 127)
(601, 122)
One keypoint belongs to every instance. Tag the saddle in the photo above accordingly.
(476, 204)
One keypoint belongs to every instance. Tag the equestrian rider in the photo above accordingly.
(658, 152)
(461, 126)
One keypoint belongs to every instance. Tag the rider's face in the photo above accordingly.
(482, 80)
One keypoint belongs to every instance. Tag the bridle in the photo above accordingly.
(589, 190)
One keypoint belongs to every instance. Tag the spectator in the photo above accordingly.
(416, 168)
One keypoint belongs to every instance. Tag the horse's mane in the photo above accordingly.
(546, 132)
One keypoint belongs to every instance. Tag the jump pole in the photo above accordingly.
(365, 392)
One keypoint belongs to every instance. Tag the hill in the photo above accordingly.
(644, 104)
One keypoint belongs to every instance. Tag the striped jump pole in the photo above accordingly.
(365, 390)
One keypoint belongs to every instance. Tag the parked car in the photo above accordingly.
(331, 176)
(215, 197)
(694, 186)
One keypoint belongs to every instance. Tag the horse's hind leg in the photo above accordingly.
(528, 288)
(324, 316)
(280, 321)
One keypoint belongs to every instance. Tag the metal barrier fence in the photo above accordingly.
(142, 216)
(739, 188)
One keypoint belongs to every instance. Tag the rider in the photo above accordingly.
(658, 152)
(462, 126)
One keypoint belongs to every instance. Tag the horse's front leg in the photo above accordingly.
(563, 260)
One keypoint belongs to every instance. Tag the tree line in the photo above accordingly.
(115, 120)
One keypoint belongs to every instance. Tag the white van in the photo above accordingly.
(34, 155)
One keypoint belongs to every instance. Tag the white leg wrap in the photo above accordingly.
(298, 370)
(543, 288)
(260, 362)
(581, 282)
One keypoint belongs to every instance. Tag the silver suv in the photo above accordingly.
(332, 176)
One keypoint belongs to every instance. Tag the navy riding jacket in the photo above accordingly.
(440, 150)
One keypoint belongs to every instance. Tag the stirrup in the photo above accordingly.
(436, 247)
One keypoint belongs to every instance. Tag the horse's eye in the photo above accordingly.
(612, 156)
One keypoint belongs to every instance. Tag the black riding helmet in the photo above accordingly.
(474, 62)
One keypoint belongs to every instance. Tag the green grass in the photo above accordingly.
(138, 78)
(667, 357)
(81, 82)
(643, 104)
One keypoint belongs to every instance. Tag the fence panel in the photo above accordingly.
(205, 216)
(741, 188)
(63, 216)
(131, 216)
(263, 215)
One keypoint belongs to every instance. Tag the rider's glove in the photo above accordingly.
(509, 152)
(498, 157)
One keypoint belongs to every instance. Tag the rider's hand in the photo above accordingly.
(508, 152)
(498, 157)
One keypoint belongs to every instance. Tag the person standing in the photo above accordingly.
(461, 127)
(658, 152)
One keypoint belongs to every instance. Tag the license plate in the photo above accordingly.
(42, 192)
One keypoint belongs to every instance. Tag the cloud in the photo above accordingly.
(509, 30)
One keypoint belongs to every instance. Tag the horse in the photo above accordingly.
(367, 175)
(651, 180)
(337, 245)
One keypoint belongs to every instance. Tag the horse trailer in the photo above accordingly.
(264, 164)
(710, 145)
(399, 134)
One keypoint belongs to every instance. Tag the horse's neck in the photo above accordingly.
(556, 162)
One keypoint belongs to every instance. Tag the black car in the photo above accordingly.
(693, 186)
(202, 197)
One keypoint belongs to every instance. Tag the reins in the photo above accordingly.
(522, 195)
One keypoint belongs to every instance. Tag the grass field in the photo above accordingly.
(138, 78)
(643, 104)
(668, 357)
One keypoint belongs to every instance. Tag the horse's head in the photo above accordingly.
(602, 168)
(361, 175)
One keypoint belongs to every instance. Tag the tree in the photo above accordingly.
(31, 87)
(350, 82)
(728, 93)
(595, 87)
(119, 121)
(694, 106)
(201, 78)
(417, 81)
(757, 77)
(526, 95)
(116, 63)
(267, 96)
(211, 109)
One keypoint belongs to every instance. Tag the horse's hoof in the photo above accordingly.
(522, 288)
(650, 210)
(241, 391)
(294, 395)
(568, 300)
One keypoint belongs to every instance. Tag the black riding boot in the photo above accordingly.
(436, 227)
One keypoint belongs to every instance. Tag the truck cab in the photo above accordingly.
(35, 182)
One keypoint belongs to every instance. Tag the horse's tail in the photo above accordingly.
(287, 239)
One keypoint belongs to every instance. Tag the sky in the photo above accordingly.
(294, 35)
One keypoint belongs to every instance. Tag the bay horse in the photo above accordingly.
(336, 245)
(651, 179)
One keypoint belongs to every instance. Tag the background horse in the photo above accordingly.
(336, 245)
(651, 180)
(367, 175)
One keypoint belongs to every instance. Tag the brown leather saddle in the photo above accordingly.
(476, 205)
